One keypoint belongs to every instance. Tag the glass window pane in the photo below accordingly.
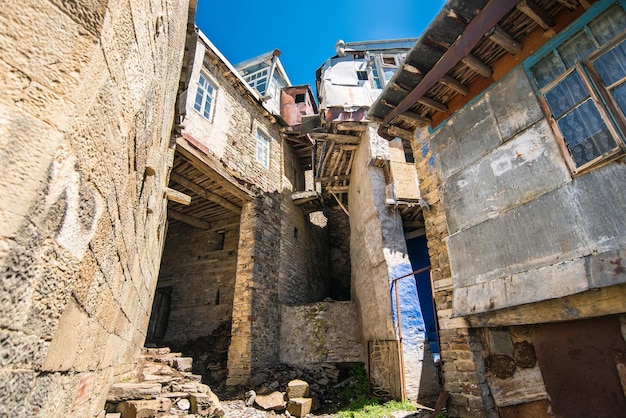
(566, 94)
(619, 93)
(612, 65)
(576, 48)
(198, 100)
(547, 69)
(207, 108)
(610, 23)
(585, 133)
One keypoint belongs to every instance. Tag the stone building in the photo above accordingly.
(375, 184)
(86, 112)
(515, 113)
(240, 254)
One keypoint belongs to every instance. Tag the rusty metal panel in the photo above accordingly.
(577, 361)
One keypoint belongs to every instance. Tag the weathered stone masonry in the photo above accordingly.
(84, 93)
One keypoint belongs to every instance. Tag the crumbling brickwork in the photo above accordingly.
(88, 94)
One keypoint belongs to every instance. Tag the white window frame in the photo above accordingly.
(258, 77)
(206, 93)
(262, 148)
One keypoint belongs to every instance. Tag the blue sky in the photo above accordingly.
(306, 32)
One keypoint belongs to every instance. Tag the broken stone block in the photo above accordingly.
(275, 401)
(299, 407)
(207, 405)
(113, 415)
(297, 389)
(139, 409)
(183, 364)
(183, 404)
(129, 391)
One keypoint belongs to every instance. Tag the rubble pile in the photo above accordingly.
(162, 386)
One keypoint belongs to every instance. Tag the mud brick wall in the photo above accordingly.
(200, 268)
(88, 94)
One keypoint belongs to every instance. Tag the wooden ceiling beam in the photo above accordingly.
(536, 13)
(433, 104)
(506, 41)
(477, 65)
(338, 138)
(204, 193)
(188, 219)
(454, 84)
(414, 117)
(570, 4)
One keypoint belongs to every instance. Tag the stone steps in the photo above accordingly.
(162, 386)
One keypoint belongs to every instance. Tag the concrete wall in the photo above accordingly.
(502, 175)
(88, 93)
(320, 332)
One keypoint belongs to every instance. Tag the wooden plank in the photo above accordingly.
(338, 189)
(352, 126)
(477, 65)
(187, 219)
(212, 169)
(604, 301)
(570, 4)
(506, 41)
(338, 138)
(536, 13)
(488, 17)
(206, 194)
(177, 196)
(333, 178)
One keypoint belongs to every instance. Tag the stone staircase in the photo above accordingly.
(162, 386)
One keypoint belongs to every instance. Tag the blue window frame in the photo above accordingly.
(581, 77)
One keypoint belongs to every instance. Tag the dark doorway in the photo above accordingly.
(418, 255)
(160, 315)
(578, 364)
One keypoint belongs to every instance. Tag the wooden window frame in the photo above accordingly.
(205, 96)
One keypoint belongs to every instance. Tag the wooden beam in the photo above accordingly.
(340, 204)
(415, 234)
(570, 4)
(506, 41)
(433, 104)
(187, 219)
(488, 17)
(400, 133)
(177, 196)
(599, 302)
(352, 126)
(454, 84)
(204, 193)
(338, 189)
(477, 65)
(333, 178)
(208, 166)
(536, 13)
(338, 138)
(414, 117)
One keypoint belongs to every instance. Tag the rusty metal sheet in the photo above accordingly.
(577, 361)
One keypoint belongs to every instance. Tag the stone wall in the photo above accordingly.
(88, 93)
(280, 254)
(200, 268)
(323, 332)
